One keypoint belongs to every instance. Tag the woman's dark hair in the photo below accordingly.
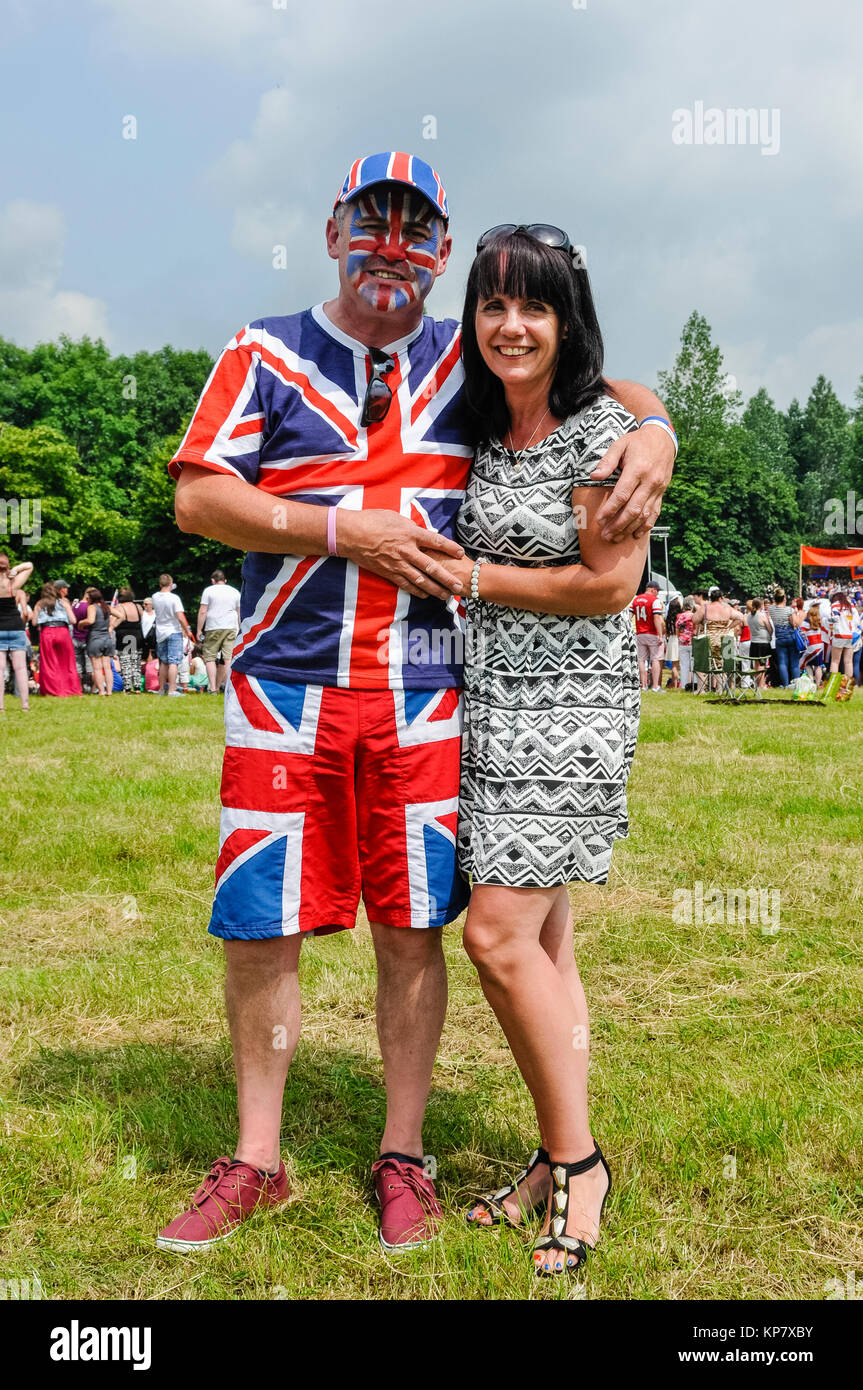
(841, 600)
(675, 608)
(49, 596)
(520, 267)
(95, 596)
(126, 595)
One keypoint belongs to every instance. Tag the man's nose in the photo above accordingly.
(389, 250)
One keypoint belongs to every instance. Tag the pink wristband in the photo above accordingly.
(331, 531)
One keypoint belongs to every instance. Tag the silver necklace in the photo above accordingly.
(518, 455)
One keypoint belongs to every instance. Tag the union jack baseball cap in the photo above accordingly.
(393, 166)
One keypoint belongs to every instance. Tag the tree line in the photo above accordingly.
(88, 435)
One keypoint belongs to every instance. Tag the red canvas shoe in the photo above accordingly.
(230, 1192)
(410, 1211)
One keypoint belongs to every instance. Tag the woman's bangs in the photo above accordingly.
(517, 267)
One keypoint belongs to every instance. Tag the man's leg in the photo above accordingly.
(263, 1001)
(172, 677)
(411, 1005)
(211, 675)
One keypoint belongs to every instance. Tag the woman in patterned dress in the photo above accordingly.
(551, 697)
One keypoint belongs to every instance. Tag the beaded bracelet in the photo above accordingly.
(474, 579)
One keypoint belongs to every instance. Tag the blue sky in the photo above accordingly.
(248, 116)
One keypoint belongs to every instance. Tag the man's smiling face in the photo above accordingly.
(392, 245)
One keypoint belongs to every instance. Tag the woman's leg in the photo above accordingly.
(2, 676)
(556, 939)
(782, 662)
(98, 664)
(19, 666)
(542, 1012)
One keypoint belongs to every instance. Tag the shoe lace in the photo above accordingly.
(408, 1177)
(215, 1184)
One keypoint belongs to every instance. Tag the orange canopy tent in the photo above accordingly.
(825, 559)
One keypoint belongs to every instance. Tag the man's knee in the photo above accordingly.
(274, 955)
(400, 946)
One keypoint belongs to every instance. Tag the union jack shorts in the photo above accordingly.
(331, 794)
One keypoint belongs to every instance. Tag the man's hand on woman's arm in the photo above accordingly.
(606, 580)
(229, 510)
(646, 460)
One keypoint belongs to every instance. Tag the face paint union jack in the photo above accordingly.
(393, 247)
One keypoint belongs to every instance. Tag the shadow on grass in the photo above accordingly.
(176, 1106)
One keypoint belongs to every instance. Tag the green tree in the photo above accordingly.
(824, 458)
(731, 505)
(700, 395)
(75, 532)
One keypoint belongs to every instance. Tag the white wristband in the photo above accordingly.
(663, 425)
(474, 580)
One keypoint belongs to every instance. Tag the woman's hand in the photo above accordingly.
(461, 570)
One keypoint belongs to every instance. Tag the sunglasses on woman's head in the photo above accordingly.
(555, 237)
(378, 397)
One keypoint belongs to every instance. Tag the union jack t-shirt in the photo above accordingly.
(281, 410)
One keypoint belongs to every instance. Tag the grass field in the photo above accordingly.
(726, 1078)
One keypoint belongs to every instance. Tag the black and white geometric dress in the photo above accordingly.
(551, 702)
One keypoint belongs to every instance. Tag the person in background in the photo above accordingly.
(117, 686)
(184, 670)
(744, 644)
(649, 633)
(719, 619)
(785, 619)
(79, 640)
(812, 660)
(129, 640)
(842, 632)
(198, 678)
(13, 635)
(218, 625)
(672, 641)
(171, 627)
(684, 626)
(58, 674)
(857, 639)
(151, 675)
(148, 630)
(100, 640)
(760, 632)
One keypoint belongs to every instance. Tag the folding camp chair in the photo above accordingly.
(704, 665)
(740, 673)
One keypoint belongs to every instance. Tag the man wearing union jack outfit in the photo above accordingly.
(328, 446)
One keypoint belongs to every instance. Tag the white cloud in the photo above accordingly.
(32, 308)
(833, 350)
(261, 178)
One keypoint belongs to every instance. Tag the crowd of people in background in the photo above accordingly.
(92, 645)
(63, 646)
(778, 639)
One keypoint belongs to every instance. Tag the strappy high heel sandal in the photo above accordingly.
(493, 1201)
(557, 1239)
